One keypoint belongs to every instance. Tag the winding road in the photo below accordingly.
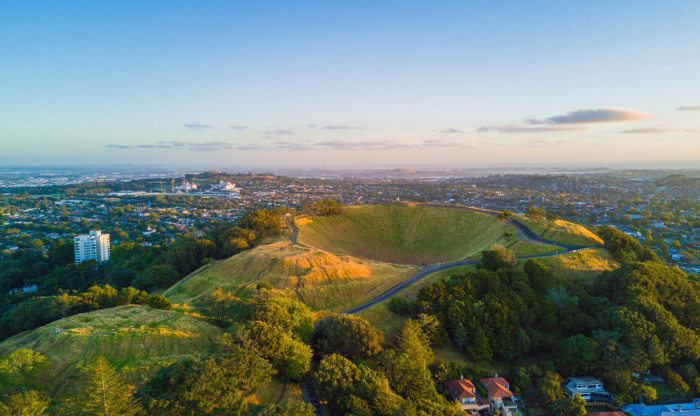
(524, 233)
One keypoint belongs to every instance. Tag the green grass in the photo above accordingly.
(324, 281)
(404, 234)
(137, 340)
(581, 265)
(562, 231)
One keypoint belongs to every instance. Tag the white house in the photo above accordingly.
(591, 389)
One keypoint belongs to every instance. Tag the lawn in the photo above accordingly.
(136, 339)
(404, 234)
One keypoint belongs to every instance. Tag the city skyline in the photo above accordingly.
(319, 84)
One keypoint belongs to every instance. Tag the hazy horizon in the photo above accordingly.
(361, 85)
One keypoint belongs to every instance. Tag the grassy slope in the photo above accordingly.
(584, 264)
(561, 231)
(136, 339)
(403, 234)
(322, 280)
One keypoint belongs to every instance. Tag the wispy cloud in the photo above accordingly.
(252, 147)
(657, 130)
(451, 131)
(364, 145)
(311, 126)
(597, 115)
(280, 132)
(197, 126)
(451, 144)
(191, 146)
(239, 127)
(209, 146)
(292, 146)
(689, 108)
(547, 142)
(518, 129)
(338, 127)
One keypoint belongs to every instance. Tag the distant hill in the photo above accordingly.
(320, 279)
(678, 180)
(137, 339)
(404, 234)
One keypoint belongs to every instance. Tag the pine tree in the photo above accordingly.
(105, 394)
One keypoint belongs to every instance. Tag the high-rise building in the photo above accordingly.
(93, 246)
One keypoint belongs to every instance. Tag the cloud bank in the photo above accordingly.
(689, 108)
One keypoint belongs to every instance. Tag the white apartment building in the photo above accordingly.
(91, 246)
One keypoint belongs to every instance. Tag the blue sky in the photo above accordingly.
(362, 83)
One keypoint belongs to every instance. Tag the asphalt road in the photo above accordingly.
(523, 233)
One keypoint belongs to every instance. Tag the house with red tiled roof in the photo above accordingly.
(500, 396)
(464, 392)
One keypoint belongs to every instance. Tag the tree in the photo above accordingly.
(571, 406)
(498, 257)
(21, 370)
(479, 348)
(105, 393)
(29, 403)
(414, 343)
(285, 408)
(347, 335)
(535, 212)
(295, 360)
(160, 302)
(549, 389)
(155, 277)
(262, 222)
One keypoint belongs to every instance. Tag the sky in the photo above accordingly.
(350, 84)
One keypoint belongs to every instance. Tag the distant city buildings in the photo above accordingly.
(93, 246)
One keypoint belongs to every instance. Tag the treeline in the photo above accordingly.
(130, 265)
(643, 316)
(351, 366)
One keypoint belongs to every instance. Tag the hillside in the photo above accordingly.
(321, 279)
(403, 234)
(562, 231)
(584, 264)
(136, 339)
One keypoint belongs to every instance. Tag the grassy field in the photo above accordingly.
(562, 231)
(583, 265)
(324, 281)
(136, 339)
(403, 234)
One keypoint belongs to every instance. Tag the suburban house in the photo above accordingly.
(500, 396)
(674, 409)
(591, 389)
(464, 392)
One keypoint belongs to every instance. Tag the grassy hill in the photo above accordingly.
(321, 279)
(562, 231)
(137, 339)
(403, 234)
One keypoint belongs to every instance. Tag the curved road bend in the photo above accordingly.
(522, 228)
